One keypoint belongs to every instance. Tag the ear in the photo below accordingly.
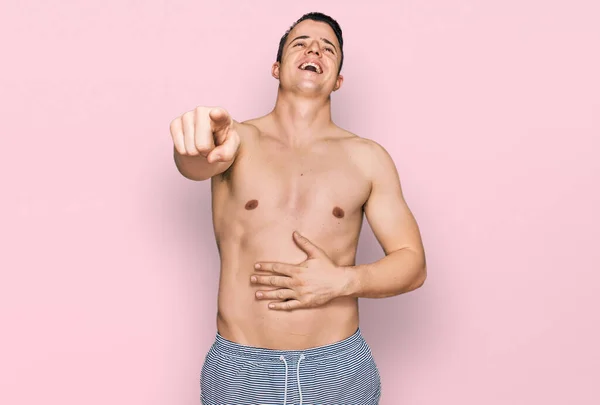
(275, 70)
(338, 83)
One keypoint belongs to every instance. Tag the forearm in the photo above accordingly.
(397, 273)
(197, 167)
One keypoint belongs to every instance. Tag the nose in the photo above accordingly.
(314, 48)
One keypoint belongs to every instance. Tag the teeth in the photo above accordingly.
(304, 65)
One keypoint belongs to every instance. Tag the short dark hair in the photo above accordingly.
(314, 16)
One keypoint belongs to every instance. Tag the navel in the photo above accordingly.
(250, 205)
(338, 212)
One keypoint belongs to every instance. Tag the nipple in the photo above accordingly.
(250, 205)
(338, 212)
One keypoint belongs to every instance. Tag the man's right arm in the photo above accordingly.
(206, 142)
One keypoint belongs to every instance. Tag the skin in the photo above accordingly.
(289, 191)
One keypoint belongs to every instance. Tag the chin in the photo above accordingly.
(306, 86)
(313, 90)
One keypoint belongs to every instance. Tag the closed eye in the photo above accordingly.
(328, 49)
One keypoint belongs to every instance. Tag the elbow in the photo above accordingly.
(421, 276)
(415, 274)
(421, 279)
(419, 269)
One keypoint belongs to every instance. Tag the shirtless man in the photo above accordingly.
(288, 192)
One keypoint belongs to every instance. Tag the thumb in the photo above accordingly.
(219, 118)
(307, 246)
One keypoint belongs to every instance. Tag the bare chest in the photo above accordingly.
(322, 182)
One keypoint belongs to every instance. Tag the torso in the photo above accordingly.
(270, 191)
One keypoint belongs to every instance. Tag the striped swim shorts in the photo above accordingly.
(341, 373)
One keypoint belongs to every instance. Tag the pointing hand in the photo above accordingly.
(206, 131)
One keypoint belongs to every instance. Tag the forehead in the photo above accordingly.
(314, 29)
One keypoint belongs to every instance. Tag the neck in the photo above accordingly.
(299, 118)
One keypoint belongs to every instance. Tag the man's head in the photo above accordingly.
(320, 17)
(311, 53)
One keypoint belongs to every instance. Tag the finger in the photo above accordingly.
(280, 294)
(274, 281)
(187, 121)
(219, 119)
(307, 246)
(177, 135)
(203, 136)
(227, 150)
(275, 267)
(286, 306)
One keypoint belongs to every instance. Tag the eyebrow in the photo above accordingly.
(322, 39)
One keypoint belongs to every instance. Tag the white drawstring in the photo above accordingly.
(286, 376)
(298, 375)
(302, 357)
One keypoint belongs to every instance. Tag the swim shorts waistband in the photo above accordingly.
(252, 353)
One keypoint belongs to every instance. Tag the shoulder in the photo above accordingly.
(251, 130)
(248, 131)
(359, 144)
(248, 127)
(371, 156)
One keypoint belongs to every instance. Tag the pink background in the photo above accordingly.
(109, 268)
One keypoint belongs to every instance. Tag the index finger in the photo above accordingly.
(219, 118)
(274, 281)
(276, 267)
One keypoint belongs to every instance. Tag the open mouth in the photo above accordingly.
(311, 67)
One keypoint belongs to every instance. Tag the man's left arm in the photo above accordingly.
(403, 268)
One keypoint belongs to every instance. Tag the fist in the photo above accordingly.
(206, 131)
